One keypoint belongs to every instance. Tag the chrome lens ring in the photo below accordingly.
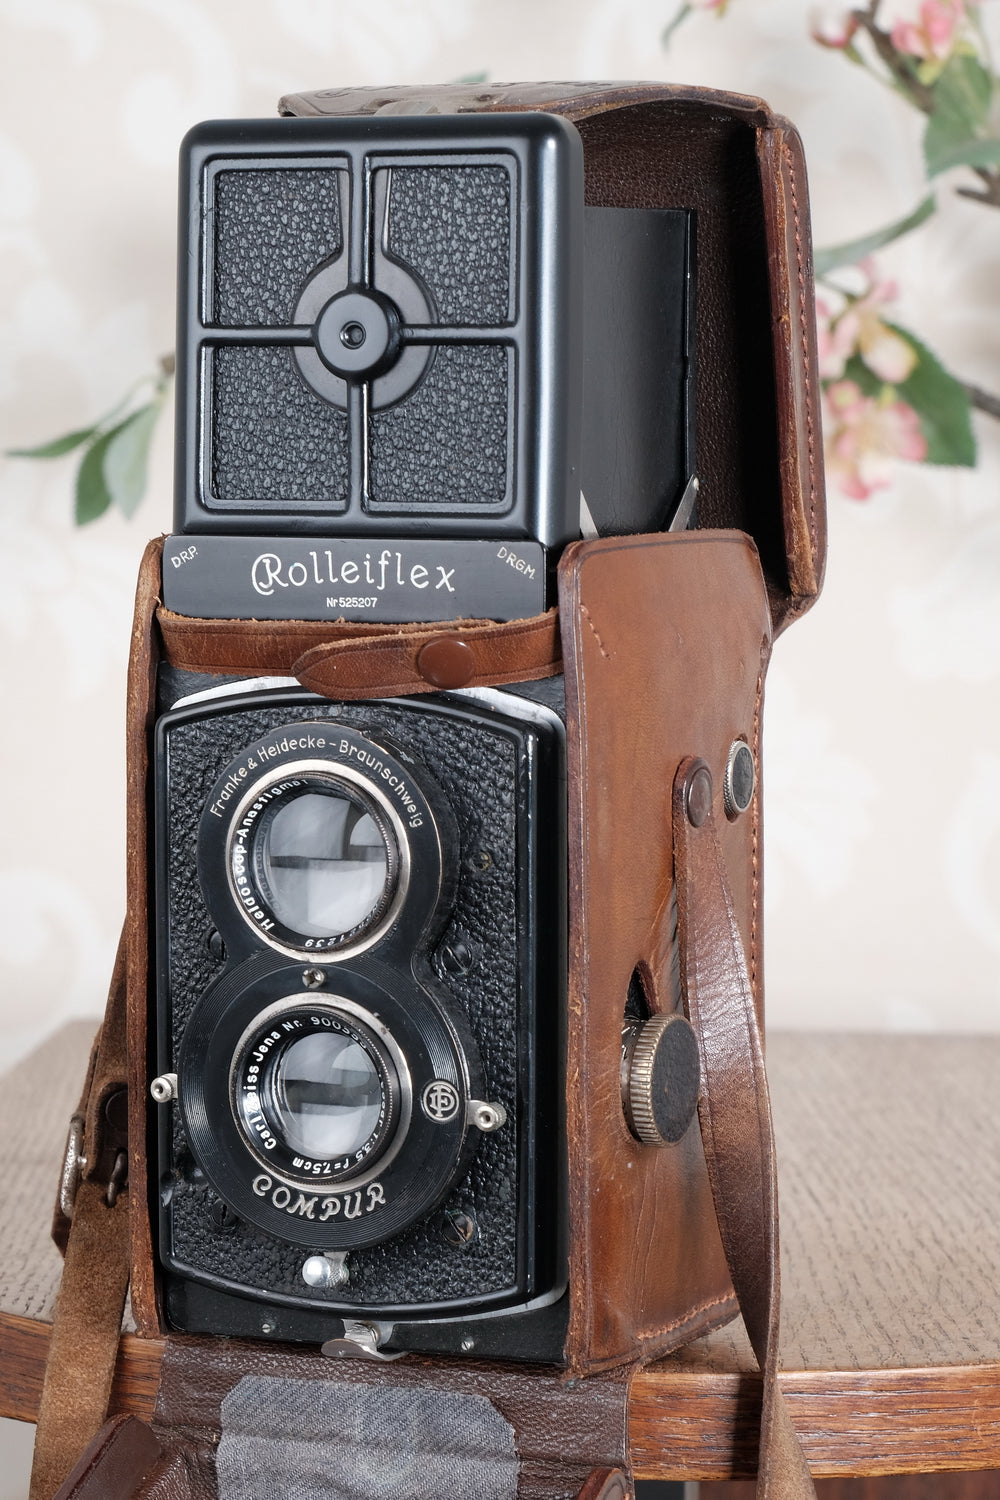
(321, 1092)
(294, 874)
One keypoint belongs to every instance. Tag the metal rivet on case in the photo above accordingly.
(698, 797)
(446, 662)
(740, 780)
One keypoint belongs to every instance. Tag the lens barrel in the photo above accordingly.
(313, 859)
(322, 1092)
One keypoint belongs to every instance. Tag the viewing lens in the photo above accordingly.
(322, 861)
(316, 859)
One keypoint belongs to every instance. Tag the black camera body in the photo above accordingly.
(403, 342)
(361, 990)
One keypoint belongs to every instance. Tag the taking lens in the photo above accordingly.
(313, 861)
(326, 1096)
(317, 1092)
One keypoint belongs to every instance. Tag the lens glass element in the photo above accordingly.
(313, 861)
(319, 1093)
(322, 861)
(327, 1096)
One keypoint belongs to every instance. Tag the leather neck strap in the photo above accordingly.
(734, 1111)
(88, 1313)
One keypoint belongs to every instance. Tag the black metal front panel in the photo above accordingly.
(503, 873)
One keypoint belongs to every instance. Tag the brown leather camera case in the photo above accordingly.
(664, 642)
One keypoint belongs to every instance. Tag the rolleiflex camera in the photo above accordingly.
(410, 360)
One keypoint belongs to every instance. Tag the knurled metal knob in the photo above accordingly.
(661, 1077)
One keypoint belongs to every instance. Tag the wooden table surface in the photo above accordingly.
(889, 1151)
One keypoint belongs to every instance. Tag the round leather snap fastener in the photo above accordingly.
(446, 662)
(699, 795)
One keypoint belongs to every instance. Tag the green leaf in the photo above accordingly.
(971, 154)
(942, 404)
(57, 447)
(92, 494)
(836, 256)
(962, 97)
(939, 400)
(126, 457)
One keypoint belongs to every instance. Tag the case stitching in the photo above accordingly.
(688, 1317)
(593, 630)
(804, 326)
(755, 834)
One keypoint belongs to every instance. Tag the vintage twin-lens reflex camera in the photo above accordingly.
(411, 367)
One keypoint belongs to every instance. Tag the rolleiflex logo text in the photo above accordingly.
(388, 570)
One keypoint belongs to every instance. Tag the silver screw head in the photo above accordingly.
(486, 1117)
(164, 1088)
(313, 979)
(468, 1345)
(325, 1271)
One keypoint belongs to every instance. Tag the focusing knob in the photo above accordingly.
(661, 1076)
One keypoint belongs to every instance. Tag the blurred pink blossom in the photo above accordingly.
(865, 436)
(933, 36)
(832, 29)
(859, 329)
(719, 5)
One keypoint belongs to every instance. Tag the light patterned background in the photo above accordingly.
(883, 754)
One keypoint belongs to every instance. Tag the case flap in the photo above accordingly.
(491, 1429)
(647, 1269)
